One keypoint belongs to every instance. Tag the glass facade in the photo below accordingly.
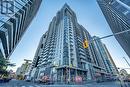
(103, 67)
(13, 25)
(117, 14)
(102, 56)
(62, 51)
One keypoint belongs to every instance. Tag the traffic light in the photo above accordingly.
(85, 43)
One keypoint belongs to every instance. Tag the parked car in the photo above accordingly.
(3, 80)
(127, 80)
(45, 80)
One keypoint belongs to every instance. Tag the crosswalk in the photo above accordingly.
(32, 86)
(29, 84)
(39, 85)
(26, 86)
(55, 86)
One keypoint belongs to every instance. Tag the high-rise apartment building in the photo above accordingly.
(15, 17)
(117, 14)
(33, 71)
(102, 58)
(64, 51)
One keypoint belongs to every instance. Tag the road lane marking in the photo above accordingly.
(37, 86)
(23, 86)
(31, 86)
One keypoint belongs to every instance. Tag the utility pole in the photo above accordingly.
(27, 61)
(111, 35)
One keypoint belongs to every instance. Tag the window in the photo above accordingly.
(72, 62)
(128, 14)
(42, 46)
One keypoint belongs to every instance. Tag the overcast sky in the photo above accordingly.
(88, 14)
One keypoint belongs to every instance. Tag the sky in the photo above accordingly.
(88, 14)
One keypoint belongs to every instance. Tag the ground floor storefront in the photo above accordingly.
(71, 75)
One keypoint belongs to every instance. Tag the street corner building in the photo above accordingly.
(65, 51)
(117, 14)
(104, 66)
(14, 21)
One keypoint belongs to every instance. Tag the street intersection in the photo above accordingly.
(20, 83)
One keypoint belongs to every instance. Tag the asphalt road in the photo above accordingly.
(18, 83)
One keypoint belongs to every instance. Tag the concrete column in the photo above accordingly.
(76, 72)
(62, 75)
(69, 73)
